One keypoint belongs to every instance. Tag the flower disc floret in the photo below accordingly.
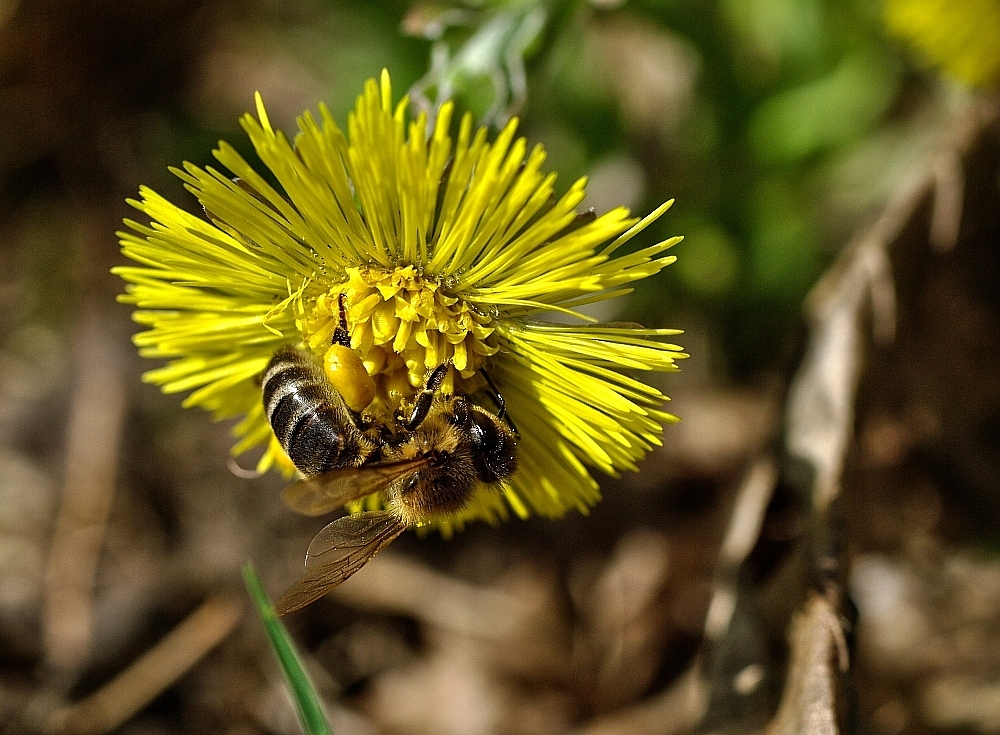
(400, 313)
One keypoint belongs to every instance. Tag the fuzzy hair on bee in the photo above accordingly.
(427, 462)
(457, 462)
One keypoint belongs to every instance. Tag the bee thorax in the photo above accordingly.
(437, 490)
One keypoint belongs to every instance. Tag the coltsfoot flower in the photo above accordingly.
(963, 36)
(440, 250)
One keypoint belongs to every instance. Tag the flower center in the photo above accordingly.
(402, 324)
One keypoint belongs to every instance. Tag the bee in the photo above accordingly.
(427, 464)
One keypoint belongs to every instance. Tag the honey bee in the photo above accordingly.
(426, 464)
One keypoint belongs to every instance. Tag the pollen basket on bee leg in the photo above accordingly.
(346, 373)
(310, 420)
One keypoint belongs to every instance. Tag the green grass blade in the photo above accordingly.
(306, 700)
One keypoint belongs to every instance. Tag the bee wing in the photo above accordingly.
(337, 552)
(318, 495)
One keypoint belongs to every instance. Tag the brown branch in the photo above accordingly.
(149, 675)
(92, 446)
(820, 413)
(809, 700)
(675, 710)
(745, 524)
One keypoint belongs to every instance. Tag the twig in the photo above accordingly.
(741, 535)
(807, 705)
(821, 399)
(948, 177)
(949, 195)
(676, 710)
(820, 414)
(734, 665)
(92, 446)
(518, 621)
(395, 584)
(154, 671)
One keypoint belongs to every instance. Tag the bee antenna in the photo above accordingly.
(498, 399)
(422, 403)
(340, 335)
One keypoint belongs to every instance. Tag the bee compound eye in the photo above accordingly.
(496, 455)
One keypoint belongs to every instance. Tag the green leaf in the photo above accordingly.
(306, 700)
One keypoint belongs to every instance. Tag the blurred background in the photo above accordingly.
(804, 142)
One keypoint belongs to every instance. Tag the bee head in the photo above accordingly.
(493, 443)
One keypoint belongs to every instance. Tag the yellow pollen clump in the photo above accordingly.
(349, 377)
(402, 324)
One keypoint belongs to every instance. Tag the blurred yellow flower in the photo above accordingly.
(442, 250)
(962, 36)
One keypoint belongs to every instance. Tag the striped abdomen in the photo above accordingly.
(309, 419)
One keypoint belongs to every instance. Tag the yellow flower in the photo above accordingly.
(443, 250)
(963, 36)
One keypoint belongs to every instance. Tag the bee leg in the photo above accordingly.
(340, 335)
(422, 403)
(498, 399)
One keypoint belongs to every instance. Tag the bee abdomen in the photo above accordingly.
(309, 422)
